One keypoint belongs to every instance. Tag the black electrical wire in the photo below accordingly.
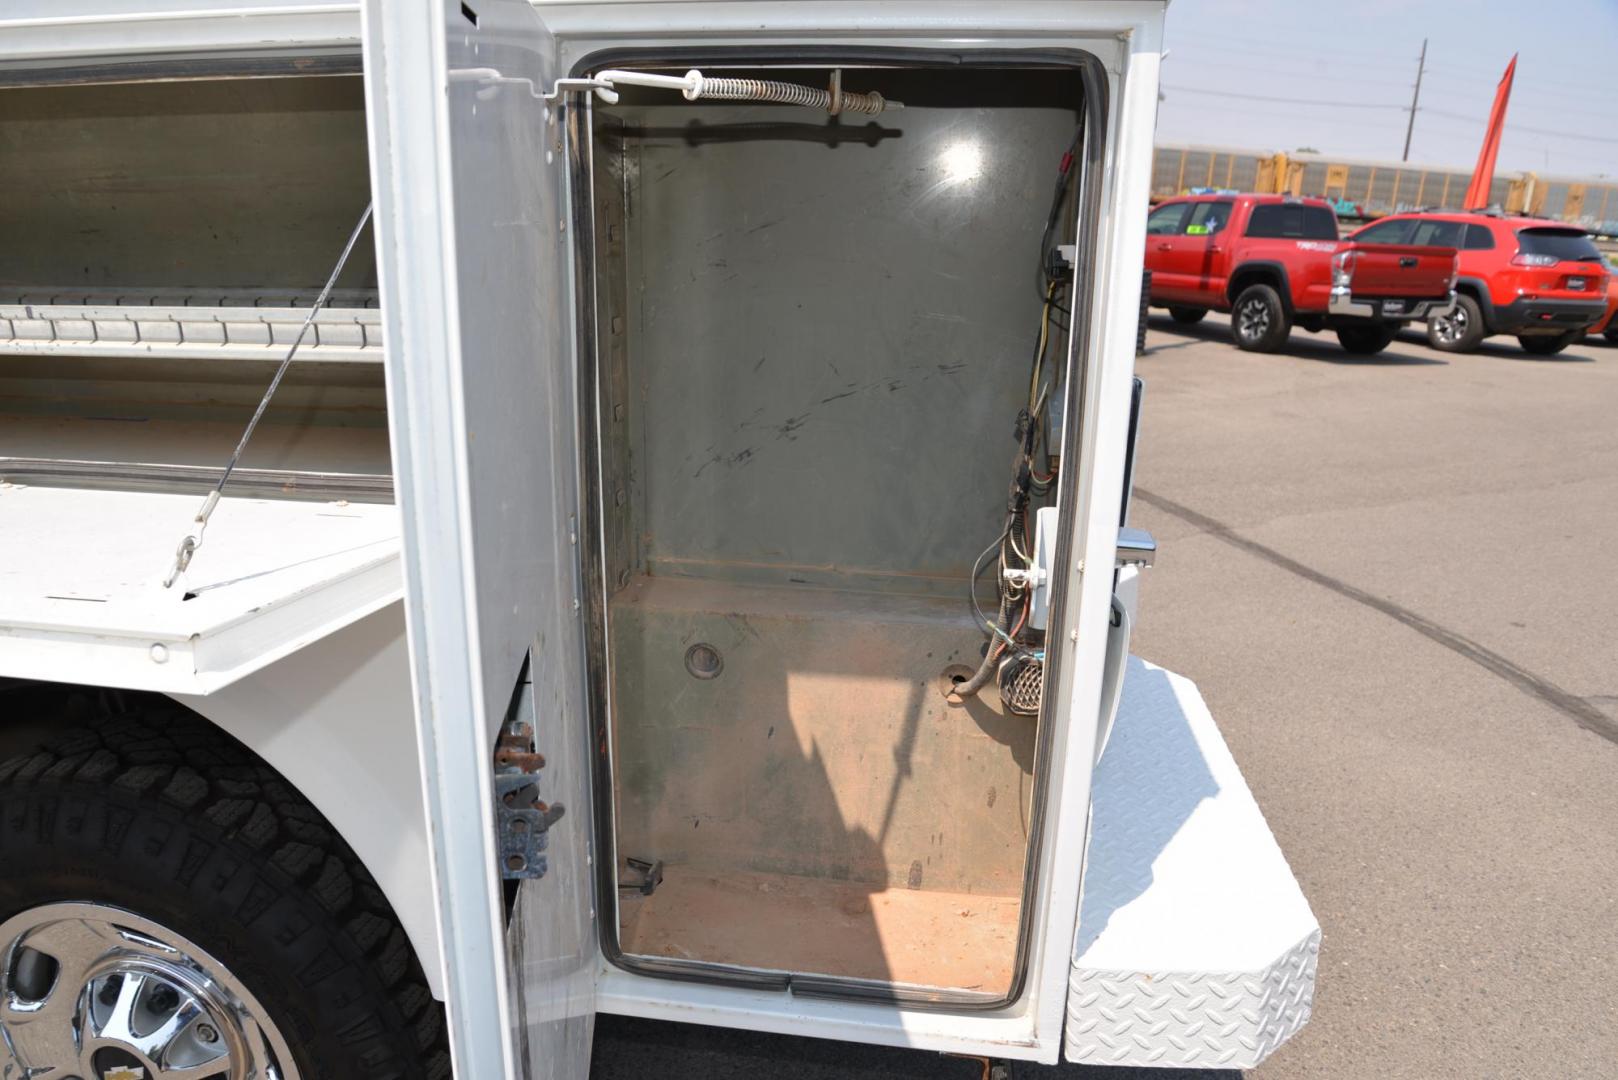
(1000, 629)
(1064, 180)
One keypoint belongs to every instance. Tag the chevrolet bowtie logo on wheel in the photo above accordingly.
(124, 1072)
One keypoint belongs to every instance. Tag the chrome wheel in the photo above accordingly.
(1253, 319)
(91, 992)
(1451, 328)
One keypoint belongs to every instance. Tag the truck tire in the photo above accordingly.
(1259, 320)
(1366, 340)
(1611, 332)
(145, 852)
(1187, 316)
(1460, 330)
(1548, 344)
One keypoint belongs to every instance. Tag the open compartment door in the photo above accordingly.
(469, 185)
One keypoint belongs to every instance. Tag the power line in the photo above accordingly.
(1311, 68)
(1289, 101)
(1345, 121)
(1335, 52)
(1289, 48)
(1259, 64)
(1533, 97)
(1482, 78)
(1515, 128)
(1412, 109)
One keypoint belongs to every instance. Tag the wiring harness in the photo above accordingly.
(1012, 649)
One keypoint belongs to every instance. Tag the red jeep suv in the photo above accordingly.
(1543, 281)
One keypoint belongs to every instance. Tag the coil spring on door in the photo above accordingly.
(870, 103)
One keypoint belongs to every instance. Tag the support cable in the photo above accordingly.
(188, 546)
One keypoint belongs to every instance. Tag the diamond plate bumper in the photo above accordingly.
(1195, 946)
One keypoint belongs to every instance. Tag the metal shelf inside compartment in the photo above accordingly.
(233, 324)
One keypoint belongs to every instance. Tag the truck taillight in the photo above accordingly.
(1526, 259)
(1342, 268)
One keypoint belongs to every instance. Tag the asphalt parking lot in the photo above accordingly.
(1396, 581)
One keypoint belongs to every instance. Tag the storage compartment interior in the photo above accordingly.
(164, 244)
(813, 341)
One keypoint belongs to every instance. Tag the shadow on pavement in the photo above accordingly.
(629, 1048)
(1512, 352)
(1301, 345)
(1506, 348)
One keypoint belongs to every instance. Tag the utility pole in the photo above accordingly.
(1421, 67)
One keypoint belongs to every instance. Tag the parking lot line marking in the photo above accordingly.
(1571, 705)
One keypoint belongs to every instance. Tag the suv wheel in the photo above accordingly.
(1367, 340)
(1460, 330)
(1187, 315)
(1548, 344)
(1258, 319)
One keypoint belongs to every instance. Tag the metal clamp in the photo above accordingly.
(651, 876)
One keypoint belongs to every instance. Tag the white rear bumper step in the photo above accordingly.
(1195, 946)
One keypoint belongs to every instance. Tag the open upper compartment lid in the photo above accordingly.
(82, 597)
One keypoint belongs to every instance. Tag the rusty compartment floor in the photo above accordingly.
(958, 941)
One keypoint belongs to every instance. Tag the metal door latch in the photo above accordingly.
(651, 876)
(522, 817)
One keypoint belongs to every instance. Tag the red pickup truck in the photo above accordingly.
(1276, 262)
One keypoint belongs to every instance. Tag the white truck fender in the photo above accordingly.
(336, 719)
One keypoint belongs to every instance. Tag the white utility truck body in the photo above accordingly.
(597, 584)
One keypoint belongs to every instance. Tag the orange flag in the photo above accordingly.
(1477, 193)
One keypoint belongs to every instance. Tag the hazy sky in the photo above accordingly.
(1337, 76)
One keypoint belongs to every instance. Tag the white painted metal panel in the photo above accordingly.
(552, 937)
(129, 29)
(336, 722)
(468, 177)
(82, 599)
(1196, 947)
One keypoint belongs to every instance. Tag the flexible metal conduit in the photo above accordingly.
(695, 85)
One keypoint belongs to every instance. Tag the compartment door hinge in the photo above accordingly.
(522, 817)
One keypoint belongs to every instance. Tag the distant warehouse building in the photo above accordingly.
(1380, 187)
